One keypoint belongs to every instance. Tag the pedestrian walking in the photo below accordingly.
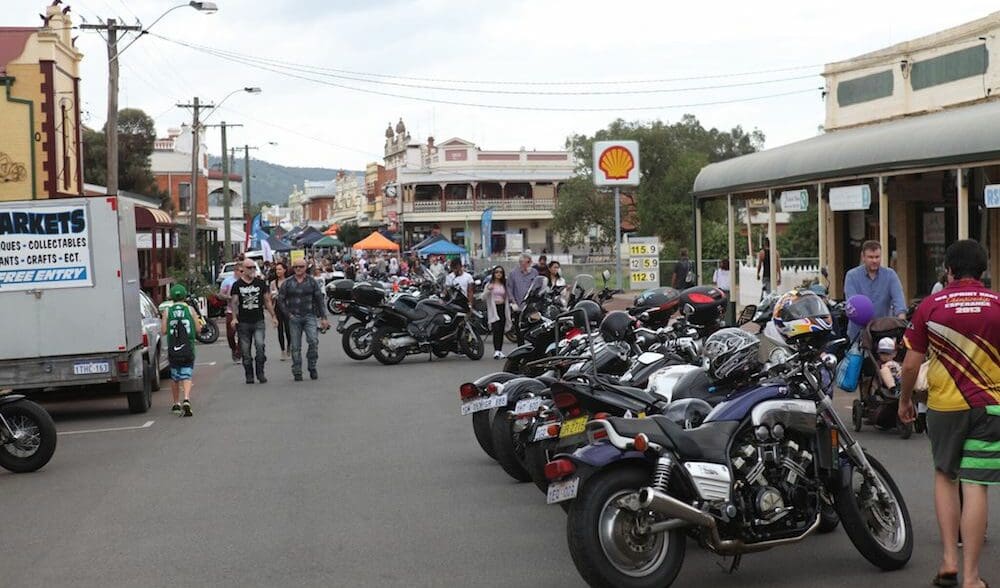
(225, 294)
(284, 334)
(519, 283)
(461, 280)
(723, 281)
(684, 276)
(764, 268)
(180, 323)
(880, 284)
(960, 329)
(250, 296)
(303, 298)
(497, 299)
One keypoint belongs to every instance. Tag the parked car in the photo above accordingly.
(154, 349)
(227, 270)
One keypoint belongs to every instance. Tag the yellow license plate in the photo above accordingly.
(574, 427)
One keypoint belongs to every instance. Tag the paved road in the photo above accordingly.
(368, 477)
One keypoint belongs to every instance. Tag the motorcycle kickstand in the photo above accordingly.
(733, 567)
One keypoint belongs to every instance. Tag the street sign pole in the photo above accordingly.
(618, 236)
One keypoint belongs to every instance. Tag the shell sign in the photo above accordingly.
(616, 163)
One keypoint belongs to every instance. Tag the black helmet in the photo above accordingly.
(731, 353)
(591, 309)
(617, 326)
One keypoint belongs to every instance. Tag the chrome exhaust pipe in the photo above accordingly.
(395, 343)
(668, 506)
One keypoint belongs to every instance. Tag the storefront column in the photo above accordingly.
(821, 206)
(734, 272)
(903, 226)
(994, 250)
(697, 241)
(883, 219)
(772, 235)
(963, 205)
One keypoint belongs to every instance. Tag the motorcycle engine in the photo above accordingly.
(773, 482)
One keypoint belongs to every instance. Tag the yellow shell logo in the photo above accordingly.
(616, 163)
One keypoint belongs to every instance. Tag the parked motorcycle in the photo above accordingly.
(431, 326)
(209, 332)
(27, 434)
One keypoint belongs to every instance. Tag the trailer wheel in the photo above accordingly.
(141, 400)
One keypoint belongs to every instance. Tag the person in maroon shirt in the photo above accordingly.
(960, 327)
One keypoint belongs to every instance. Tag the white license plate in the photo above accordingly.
(91, 367)
(484, 403)
(542, 433)
(528, 405)
(561, 491)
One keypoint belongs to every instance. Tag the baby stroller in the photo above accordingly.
(878, 405)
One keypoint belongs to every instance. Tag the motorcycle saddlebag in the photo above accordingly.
(702, 305)
(367, 294)
(341, 289)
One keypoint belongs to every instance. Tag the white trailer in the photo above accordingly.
(69, 298)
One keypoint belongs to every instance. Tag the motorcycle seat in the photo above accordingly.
(706, 443)
(629, 391)
(414, 314)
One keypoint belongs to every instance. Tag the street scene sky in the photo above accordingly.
(505, 75)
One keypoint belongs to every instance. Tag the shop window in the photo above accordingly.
(949, 67)
(864, 89)
(184, 196)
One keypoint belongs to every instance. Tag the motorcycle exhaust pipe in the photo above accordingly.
(395, 343)
(668, 506)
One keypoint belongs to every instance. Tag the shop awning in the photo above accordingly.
(149, 218)
(963, 135)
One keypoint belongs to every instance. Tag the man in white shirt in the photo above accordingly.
(461, 281)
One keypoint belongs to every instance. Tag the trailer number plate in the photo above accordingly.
(91, 367)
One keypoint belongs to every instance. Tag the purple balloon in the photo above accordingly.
(859, 310)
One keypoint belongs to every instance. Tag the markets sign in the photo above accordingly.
(992, 196)
(851, 197)
(795, 201)
(44, 247)
(616, 163)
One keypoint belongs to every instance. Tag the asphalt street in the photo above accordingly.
(367, 477)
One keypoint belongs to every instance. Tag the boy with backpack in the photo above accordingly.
(180, 323)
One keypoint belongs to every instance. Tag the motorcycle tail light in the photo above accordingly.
(494, 388)
(560, 468)
(564, 399)
(601, 415)
(468, 391)
(145, 340)
(553, 430)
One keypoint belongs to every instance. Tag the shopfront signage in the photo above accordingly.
(992, 196)
(44, 247)
(795, 201)
(616, 163)
(851, 197)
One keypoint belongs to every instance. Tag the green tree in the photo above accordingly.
(136, 136)
(801, 238)
(350, 233)
(581, 208)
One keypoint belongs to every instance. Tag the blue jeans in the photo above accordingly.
(297, 325)
(252, 333)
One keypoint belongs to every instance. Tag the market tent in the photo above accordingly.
(443, 247)
(376, 242)
(328, 241)
(428, 241)
(308, 238)
(278, 244)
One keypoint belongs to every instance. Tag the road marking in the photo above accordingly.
(147, 425)
(207, 363)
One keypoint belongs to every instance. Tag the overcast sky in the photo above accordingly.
(316, 123)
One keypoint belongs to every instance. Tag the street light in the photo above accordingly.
(206, 7)
(248, 90)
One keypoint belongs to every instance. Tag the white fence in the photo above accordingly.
(793, 273)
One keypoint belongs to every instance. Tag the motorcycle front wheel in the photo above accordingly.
(383, 353)
(470, 343)
(358, 342)
(209, 333)
(605, 544)
(34, 437)
(877, 523)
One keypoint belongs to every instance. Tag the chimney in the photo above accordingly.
(430, 143)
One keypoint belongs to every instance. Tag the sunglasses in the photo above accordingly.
(298, 267)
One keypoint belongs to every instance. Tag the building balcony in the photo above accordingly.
(497, 204)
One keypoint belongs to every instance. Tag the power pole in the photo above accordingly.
(196, 106)
(111, 130)
(246, 191)
(225, 187)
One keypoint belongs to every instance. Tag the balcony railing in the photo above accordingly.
(504, 204)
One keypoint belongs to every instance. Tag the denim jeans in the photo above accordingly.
(297, 325)
(252, 333)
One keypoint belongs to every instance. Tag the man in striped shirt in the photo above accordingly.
(960, 328)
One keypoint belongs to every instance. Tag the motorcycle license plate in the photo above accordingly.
(542, 433)
(528, 406)
(562, 491)
(484, 404)
(91, 367)
(341, 323)
(573, 427)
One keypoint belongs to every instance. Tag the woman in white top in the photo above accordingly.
(497, 299)
(721, 278)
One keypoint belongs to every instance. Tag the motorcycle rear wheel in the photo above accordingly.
(605, 548)
(209, 333)
(505, 450)
(859, 519)
(38, 443)
(353, 347)
(512, 365)
(382, 353)
(482, 428)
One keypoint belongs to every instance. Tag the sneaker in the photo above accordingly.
(501, 355)
(496, 355)
(187, 408)
(297, 377)
(249, 379)
(313, 375)
(176, 409)
(284, 356)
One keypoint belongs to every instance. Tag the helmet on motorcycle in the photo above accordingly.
(731, 352)
(591, 311)
(178, 292)
(802, 317)
(688, 412)
(617, 326)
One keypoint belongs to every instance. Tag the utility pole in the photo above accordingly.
(246, 191)
(111, 129)
(225, 187)
(196, 106)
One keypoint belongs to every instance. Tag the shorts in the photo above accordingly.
(959, 438)
(181, 373)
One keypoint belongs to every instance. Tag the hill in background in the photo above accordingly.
(270, 182)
